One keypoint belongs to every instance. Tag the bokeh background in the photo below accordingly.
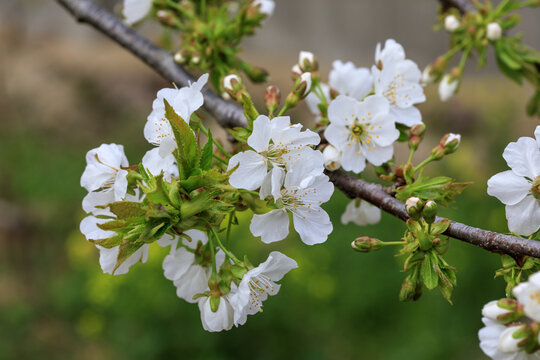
(65, 89)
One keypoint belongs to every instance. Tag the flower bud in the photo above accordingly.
(180, 57)
(265, 7)
(296, 72)
(507, 342)
(272, 97)
(430, 211)
(307, 61)
(451, 143)
(305, 78)
(504, 310)
(332, 158)
(427, 76)
(233, 85)
(416, 134)
(414, 206)
(411, 290)
(451, 23)
(494, 31)
(366, 244)
(165, 17)
(448, 87)
(300, 90)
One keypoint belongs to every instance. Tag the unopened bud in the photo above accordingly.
(233, 85)
(414, 206)
(427, 76)
(505, 310)
(265, 7)
(411, 290)
(272, 97)
(448, 87)
(451, 23)
(307, 61)
(180, 57)
(366, 244)
(429, 212)
(416, 134)
(300, 90)
(165, 17)
(450, 142)
(296, 72)
(509, 341)
(494, 31)
(195, 58)
(332, 158)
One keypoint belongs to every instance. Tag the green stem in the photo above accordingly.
(218, 145)
(411, 154)
(285, 108)
(213, 252)
(225, 250)
(229, 226)
(388, 243)
(424, 163)
(177, 7)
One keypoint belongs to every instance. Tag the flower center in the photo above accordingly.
(357, 130)
(535, 190)
(259, 287)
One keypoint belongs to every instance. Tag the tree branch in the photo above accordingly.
(229, 115)
(462, 5)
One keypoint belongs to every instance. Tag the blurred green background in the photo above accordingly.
(65, 89)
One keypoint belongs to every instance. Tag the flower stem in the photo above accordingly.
(225, 250)
(424, 163)
(411, 154)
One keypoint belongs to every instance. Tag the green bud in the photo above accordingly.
(414, 206)
(408, 173)
(430, 211)
(416, 134)
(272, 97)
(366, 244)
(411, 289)
(450, 142)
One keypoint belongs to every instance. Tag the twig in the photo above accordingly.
(230, 115)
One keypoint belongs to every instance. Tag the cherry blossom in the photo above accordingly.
(220, 320)
(361, 131)
(135, 10)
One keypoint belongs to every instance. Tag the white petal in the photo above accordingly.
(408, 116)
(337, 136)
(349, 80)
(524, 217)
(361, 215)
(523, 157)
(277, 265)
(384, 132)
(537, 135)
(379, 154)
(220, 320)
(176, 264)
(155, 164)
(120, 185)
(313, 225)
(196, 236)
(272, 226)
(508, 187)
(97, 198)
(135, 10)
(353, 159)
(194, 281)
(250, 173)
(260, 137)
(89, 228)
(341, 109)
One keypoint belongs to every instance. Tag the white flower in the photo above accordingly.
(361, 130)
(185, 101)
(528, 294)
(451, 23)
(519, 188)
(155, 164)
(189, 277)
(332, 158)
(278, 145)
(297, 72)
(257, 284)
(220, 320)
(109, 257)
(391, 53)
(266, 6)
(398, 80)
(349, 80)
(447, 87)
(104, 170)
(361, 213)
(494, 31)
(135, 10)
(302, 195)
(496, 341)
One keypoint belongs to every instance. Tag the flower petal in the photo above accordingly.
(523, 157)
(508, 187)
(313, 225)
(272, 226)
(524, 217)
(250, 173)
(260, 137)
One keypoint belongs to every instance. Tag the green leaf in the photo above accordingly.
(239, 133)
(429, 273)
(207, 151)
(441, 189)
(127, 209)
(439, 227)
(188, 154)
(533, 105)
(109, 242)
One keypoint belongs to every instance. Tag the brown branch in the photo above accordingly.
(230, 115)
(462, 5)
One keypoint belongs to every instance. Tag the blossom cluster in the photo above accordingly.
(226, 289)
(512, 327)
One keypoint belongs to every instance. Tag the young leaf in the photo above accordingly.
(207, 151)
(429, 273)
(188, 152)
